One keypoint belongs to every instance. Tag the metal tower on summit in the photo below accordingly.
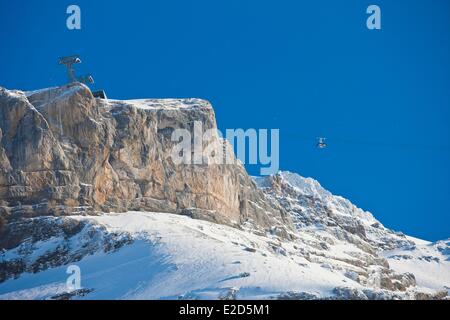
(69, 63)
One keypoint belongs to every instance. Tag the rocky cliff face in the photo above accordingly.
(66, 158)
(64, 152)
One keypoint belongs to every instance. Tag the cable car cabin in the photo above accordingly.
(101, 94)
(321, 144)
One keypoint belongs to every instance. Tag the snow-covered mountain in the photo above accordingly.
(145, 255)
(89, 183)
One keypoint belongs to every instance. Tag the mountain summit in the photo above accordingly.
(62, 151)
(90, 183)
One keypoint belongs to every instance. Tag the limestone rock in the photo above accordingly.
(66, 151)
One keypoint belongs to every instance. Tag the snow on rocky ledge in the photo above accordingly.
(166, 104)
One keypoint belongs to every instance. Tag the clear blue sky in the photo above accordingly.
(310, 68)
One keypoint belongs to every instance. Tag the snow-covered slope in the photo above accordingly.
(174, 256)
(429, 262)
(312, 206)
(336, 252)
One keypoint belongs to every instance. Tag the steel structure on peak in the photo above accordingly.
(69, 62)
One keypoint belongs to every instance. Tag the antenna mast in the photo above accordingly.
(68, 62)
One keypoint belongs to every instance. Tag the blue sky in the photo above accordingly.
(309, 68)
